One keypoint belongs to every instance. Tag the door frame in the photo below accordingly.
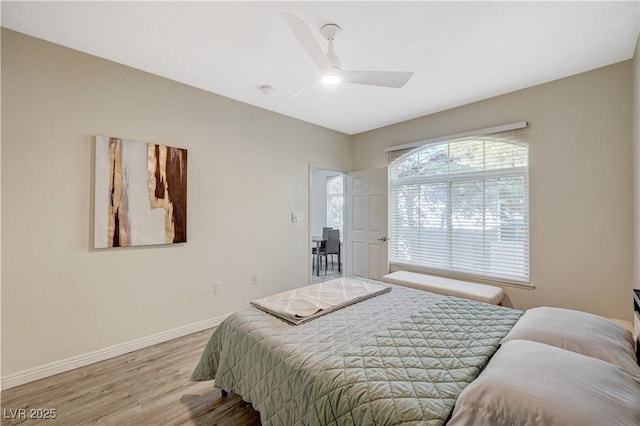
(312, 167)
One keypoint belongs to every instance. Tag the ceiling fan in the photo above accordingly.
(330, 68)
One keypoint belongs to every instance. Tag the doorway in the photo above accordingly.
(326, 223)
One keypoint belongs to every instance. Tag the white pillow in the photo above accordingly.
(530, 383)
(579, 332)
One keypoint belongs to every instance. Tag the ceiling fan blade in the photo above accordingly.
(299, 90)
(395, 79)
(302, 31)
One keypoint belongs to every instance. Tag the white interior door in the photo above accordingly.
(366, 223)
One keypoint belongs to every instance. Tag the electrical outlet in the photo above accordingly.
(254, 280)
(217, 287)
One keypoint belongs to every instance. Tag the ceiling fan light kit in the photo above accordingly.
(331, 72)
(331, 79)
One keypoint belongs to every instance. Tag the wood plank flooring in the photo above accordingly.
(146, 387)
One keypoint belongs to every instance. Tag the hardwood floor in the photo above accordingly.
(147, 387)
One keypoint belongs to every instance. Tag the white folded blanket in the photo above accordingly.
(306, 303)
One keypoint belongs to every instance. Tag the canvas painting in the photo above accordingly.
(140, 193)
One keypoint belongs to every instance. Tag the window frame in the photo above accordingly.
(478, 176)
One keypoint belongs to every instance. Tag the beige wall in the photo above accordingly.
(636, 163)
(248, 170)
(0, 210)
(580, 182)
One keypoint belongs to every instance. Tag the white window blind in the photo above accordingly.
(460, 207)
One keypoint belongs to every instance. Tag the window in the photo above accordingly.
(460, 208)
(335, 202)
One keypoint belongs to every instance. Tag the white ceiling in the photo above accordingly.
(461, 52)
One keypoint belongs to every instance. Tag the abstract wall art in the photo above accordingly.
(140, 193)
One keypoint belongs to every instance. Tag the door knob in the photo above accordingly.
(383, 239)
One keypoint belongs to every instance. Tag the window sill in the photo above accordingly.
(459, 276)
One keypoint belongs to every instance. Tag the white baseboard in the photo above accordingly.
(56, 367)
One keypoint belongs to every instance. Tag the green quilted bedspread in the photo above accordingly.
(401, 358)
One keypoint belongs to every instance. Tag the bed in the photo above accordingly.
(403, 357)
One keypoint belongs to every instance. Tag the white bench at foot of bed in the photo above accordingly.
(446, 286)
